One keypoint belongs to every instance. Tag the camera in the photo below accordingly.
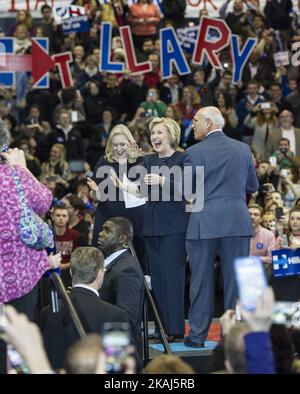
(265, 106)
(283, 150)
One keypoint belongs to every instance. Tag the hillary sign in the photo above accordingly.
(286, 262)
(171, 52)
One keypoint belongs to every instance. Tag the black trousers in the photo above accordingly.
(167, 256)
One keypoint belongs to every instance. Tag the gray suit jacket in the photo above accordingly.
(273, 142)
(229, 174)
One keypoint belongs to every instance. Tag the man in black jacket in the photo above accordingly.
(87, 268)
(123, 283)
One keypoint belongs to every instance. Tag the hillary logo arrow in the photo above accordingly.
(38, 63)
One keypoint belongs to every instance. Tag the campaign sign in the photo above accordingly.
(286, 262)
(187, 37)
(77, 24)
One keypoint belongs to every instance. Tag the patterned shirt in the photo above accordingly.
(20, 267)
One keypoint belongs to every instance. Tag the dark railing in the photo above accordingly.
(57, 288)
(150, 303)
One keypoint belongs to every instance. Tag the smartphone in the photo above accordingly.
(76, 166)
(16, 361)
(273, 161)
(265, 106)
(283, 173)
(74, 116)
(51, 178)
(116, 342)
(279, 213)
(287, 313)
(251, 280)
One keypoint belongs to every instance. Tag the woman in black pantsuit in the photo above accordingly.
(165, 224)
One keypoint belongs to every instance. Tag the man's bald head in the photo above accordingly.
(206, 120)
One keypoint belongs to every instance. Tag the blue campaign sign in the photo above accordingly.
(7, 79)
(286, 262)
(187, 38)
(78, 24)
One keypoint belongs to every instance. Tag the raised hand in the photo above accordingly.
(92, 184)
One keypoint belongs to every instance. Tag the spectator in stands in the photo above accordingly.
(36, 138)
(187, 107)
(23, 17)
(278, 99)
(263, 121)
(263, 241)
(286, 130)
(78, 62)
(66, 240)
(278, 16)
(100, 134)
(35, 113)
(147, 49)
(71, 100)
(152, 78)
(56, 166)
(153, 105)
(289, 186)
(87, 267)
(294, 99)
(174, 11)
(171, 90)
(50, 29)
(284, 157)
(90, 73)
(22, 42)
(32, 163)
(112, 96)
(226, 86)
(203, 89)
(259, 69)
(144, 18)
(65, 133)
(231, 120)
(93, 103)
(247, 104)
(233, 19)
(134, 91)
(75, 206)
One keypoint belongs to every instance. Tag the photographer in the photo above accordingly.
(284, 156)
(262, 120)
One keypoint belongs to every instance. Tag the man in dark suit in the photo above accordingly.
(87, 269)
(123, 283)
(223, 223)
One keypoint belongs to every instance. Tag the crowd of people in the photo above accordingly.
(77, 153)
